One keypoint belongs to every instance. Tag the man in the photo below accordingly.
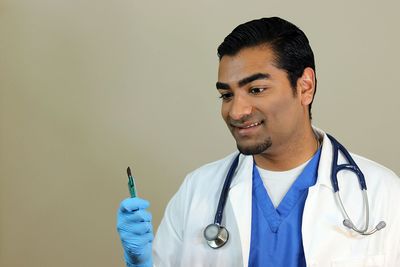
(281, 208)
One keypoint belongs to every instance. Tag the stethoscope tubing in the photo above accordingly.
(225, 190)
(351, 166)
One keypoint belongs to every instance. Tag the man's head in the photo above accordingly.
(289, 44)
(266, 80)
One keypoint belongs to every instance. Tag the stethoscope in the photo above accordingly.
(217, 235)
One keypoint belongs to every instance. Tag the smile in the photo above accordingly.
(247, 129)
(251, 125)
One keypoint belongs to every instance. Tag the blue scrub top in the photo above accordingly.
(276, 238)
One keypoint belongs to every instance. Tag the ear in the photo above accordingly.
(306, 86)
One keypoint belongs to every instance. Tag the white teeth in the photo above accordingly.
(252, 125)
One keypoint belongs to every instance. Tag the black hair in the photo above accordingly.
(289, 44)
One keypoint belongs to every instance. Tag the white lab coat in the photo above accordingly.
(180, 242)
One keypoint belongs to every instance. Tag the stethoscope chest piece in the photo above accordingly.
(216, 235)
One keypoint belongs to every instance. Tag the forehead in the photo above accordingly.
(260, 59)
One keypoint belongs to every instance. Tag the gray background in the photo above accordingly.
(90, 87)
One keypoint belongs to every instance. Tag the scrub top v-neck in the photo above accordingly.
(276, 233)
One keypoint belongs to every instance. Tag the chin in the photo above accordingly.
(255, 148)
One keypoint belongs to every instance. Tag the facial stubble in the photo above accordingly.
(256, 148)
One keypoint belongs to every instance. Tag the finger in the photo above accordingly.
(137, 228)
(136, 242)
(126, 221)
(133, 204)
(134, 217)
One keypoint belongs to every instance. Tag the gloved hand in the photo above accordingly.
(136, 232)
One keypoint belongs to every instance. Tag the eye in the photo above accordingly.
(226, 96)
(256, 90)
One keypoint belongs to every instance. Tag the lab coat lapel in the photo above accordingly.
(240, 195)
(320, 200)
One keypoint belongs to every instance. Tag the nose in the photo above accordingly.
(240, 107)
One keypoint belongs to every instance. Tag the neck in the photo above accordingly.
(290, 154)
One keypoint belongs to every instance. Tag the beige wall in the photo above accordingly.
(90, 87)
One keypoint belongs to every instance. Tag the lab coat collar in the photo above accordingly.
(325, 162)
(243, 171)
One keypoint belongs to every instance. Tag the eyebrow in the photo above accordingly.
(244, 81)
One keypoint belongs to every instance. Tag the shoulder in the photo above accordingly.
(204, 180)
(215, 165)
(211, 172)
(377, 173)
(199, 190)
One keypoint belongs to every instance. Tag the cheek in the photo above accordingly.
(281, 110)
(224, 111)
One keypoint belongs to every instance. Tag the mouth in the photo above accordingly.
(246, 128)
(249, 126)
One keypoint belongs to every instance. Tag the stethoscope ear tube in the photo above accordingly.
(350, 166)
(349, 223)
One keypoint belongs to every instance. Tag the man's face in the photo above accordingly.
(258, 103)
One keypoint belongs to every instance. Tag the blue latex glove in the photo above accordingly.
(136, 232)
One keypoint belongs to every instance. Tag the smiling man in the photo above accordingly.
(275, 201)
(265, 113)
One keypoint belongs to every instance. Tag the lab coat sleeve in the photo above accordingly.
(396, 221)
(389, 193)
(167, 246)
